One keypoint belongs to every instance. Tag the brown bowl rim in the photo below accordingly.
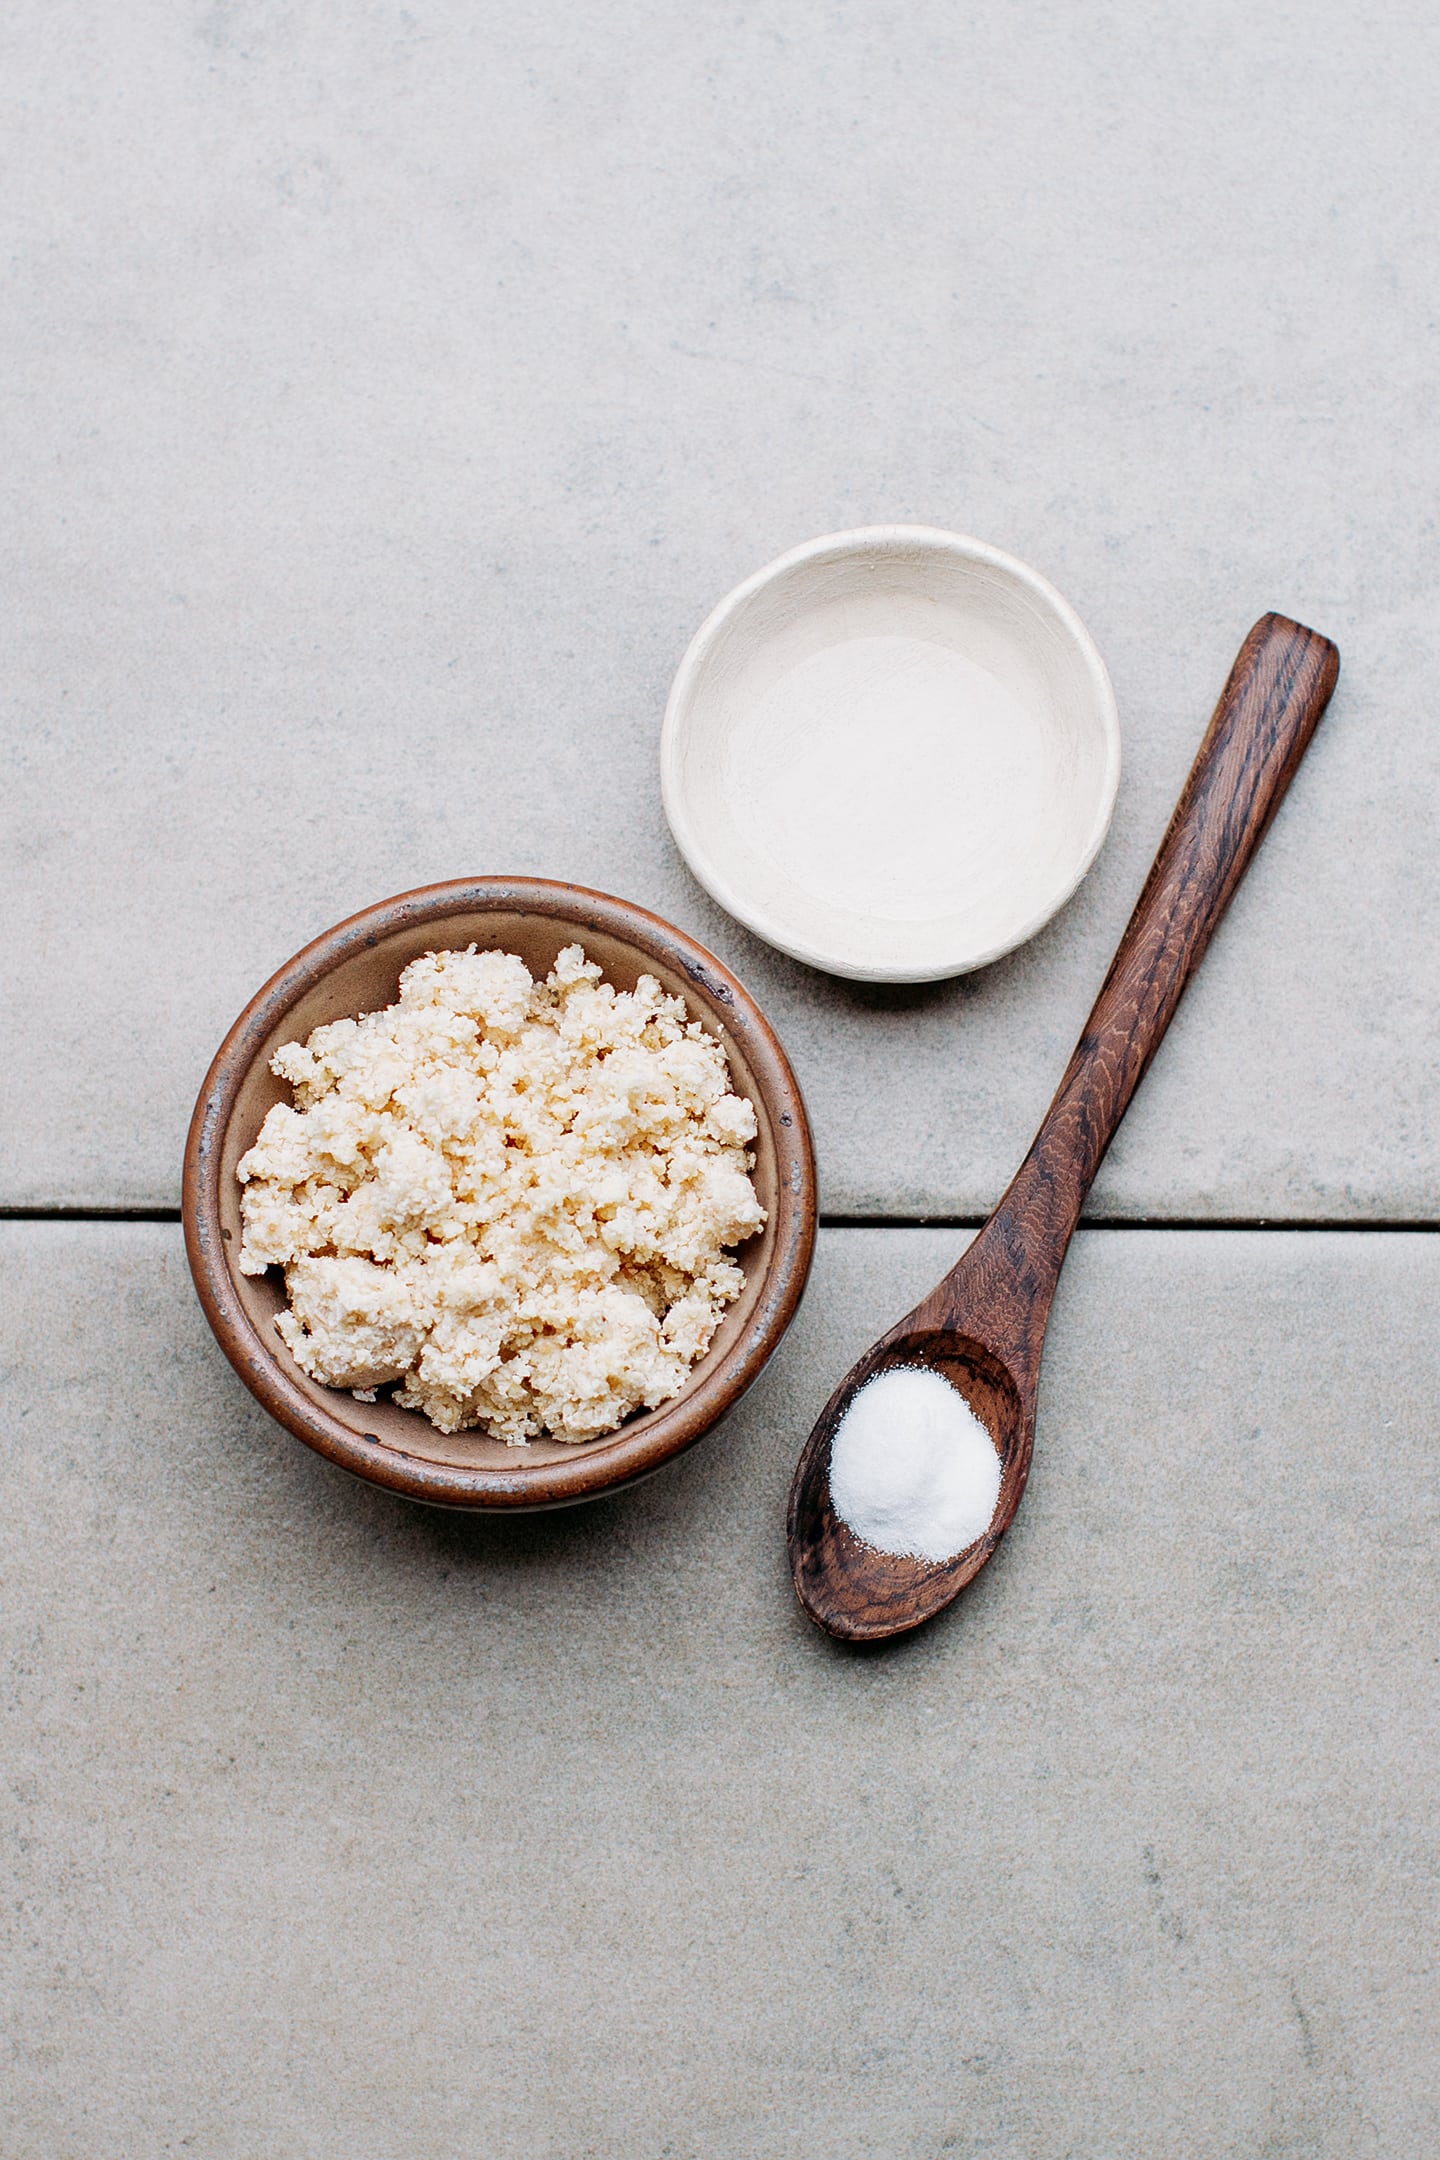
(599, 1466)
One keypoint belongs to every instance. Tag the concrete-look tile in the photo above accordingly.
(388, 394)
(341, 1827)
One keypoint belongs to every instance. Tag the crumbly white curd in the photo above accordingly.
(514, 1198)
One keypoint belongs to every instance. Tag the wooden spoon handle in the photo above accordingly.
(1269, 709)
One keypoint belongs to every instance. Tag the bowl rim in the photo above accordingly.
(600, 1466)
(880, 539)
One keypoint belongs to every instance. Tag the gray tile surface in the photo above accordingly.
(338, 1827)
(388, 392)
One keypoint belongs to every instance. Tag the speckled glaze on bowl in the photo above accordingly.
(355, 968)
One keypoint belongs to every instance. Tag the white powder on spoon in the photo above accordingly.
(912, 1469)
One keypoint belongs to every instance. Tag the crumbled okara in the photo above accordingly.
(516, 1199)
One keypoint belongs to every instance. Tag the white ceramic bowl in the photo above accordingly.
(893, 753)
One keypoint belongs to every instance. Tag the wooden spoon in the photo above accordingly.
(983, 1327)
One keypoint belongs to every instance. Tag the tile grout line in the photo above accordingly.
(1368, 1225)
(1331, 1223)
(90, 1214)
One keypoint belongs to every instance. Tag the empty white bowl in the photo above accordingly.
(893, 753)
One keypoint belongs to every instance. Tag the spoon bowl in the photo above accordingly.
(983, 1327)
(867, 1594)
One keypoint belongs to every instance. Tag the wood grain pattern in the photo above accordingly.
(984, 1325)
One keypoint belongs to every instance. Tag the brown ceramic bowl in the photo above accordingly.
(355, 968)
